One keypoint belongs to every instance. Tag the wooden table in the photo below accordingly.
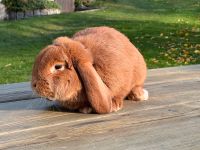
(169, 120)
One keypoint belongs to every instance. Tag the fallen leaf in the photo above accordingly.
(7, 65)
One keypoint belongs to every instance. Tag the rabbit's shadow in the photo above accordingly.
(36, 104)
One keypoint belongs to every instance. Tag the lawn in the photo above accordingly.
(167, 33)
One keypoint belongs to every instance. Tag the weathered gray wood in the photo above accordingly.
(16, 91)
(169, 120)
(22, 91)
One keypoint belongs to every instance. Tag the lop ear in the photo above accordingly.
(77, 51)
(64, 42)
(98, 94)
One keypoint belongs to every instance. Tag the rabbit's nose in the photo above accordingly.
(34, 84)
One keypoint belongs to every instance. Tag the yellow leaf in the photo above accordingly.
(186, 45)
(7, 65)
(186, 34)
(197, 51)
(185, 52)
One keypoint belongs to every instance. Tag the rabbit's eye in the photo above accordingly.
(59, 67)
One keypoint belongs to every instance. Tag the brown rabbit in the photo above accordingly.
(92, 71)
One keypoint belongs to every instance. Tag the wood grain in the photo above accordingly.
(169, 120)
(15, 92)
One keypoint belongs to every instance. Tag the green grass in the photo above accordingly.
(167, 32)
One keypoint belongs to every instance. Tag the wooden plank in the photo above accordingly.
(22, 91)
(168, 92)
(41, 118)
(16, 91)
(169, 120)
(68, 125)
(114, 126)
(176, 70)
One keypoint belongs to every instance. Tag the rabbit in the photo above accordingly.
(93, 71)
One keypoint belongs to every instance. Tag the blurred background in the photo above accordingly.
(166, 32)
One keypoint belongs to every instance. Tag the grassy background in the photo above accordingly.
(167, 33)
